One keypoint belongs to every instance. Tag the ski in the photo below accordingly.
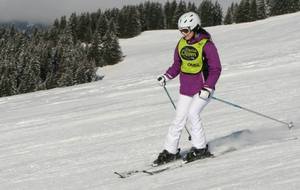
(152, 170)
(158, 169)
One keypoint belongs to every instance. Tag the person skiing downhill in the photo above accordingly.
(197, 63)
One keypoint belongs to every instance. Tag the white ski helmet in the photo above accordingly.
(189, 20)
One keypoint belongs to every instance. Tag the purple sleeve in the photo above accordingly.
(214, 65)
(174, 70)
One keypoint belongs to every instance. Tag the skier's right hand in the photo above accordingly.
(205, 93)
(162, 79)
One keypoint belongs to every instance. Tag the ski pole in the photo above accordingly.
(190, 137)
(289, 124)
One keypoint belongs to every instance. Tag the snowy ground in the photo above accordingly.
(76, 137)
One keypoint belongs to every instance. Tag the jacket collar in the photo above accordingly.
(197, 38)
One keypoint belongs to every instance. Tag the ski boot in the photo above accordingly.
(165, 157)
(196, 154)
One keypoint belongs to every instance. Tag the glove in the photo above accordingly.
(162, 80)
(205, 93)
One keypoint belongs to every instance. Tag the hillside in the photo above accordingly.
(76, 137)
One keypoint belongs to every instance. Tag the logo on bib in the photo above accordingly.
(189, 53)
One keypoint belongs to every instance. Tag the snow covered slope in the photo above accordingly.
(76, 137)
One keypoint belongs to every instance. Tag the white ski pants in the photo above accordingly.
(187, 108)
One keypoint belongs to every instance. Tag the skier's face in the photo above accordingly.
(187, 33)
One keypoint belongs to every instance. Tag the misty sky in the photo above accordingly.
(48, 10)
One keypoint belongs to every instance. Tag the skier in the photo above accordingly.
(197, 62)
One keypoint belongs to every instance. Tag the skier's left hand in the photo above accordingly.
(162, 80)
(205, 93)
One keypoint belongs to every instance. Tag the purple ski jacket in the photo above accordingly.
(191, 84)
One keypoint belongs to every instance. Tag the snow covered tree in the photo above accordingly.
(229, 18)
(8, 75)
(278, 7)
(84, 28)
(63, 23)
(151, 16)
(243, 12)
(112, 53)
(156, 17)
(191, 7)
(253, 11)
(293, 6)
(180, 10)
(206, 9)
(113, 15)
(86, 69)
(73, 22)
(169, 10)
(29, 78)
(102, 25)
(217, 14)
(96, 51)
(261, 9)
(129, 22)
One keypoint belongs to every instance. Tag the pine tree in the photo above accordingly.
(243, 12)
(235, 12)
(191, 7)
(239, 13)
(293, 6)
(180, 10)
(84, 28)
(102, 25)
(129, 22)
(152, 16)
(278, 7)
(253, 11)
(97, 49)
(123, 22)
(247, 10)
(142, 11)
(73, 22)
(135, 27)
(42, 59)
(261, 9)
(112, 51)
(114, 16)
(56, 24)
(8, 82)
(217, 14)
(146, 16)
(94, 18)
(63, 23)
(268, 8)
(66, 58)
(206, 10)
(158, 21)
(53, 33)
(50, 68)
(229, 16)
(30, 75)
(89, 30)
(169, 10)
(8, 62)
(86, 69)
(45, 62)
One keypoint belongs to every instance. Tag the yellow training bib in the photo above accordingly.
(191, 56)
